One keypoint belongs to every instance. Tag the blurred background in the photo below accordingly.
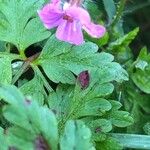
(137, 14)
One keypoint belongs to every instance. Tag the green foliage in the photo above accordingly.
(2, 46)
(76, 136)
(119, 118)
(141, 75)
(138, 105)
(124, 41)
(147, 128)
(67, 59)
(34, 125)
(35, 88)
(90, 105)
(43, 104)
(120, 47)
(29, 119)
(31, 123)
(109, 144)
(92, 9)
(133, 141)
(110, 9)
(3, 141)
(5, 70)
(16, 24)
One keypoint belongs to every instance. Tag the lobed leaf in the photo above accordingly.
(124, 41)
(5, 71)
(141, 75)
(18, 23)
(77, 136)
(60, 60)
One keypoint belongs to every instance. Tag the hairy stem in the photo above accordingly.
(25, 65)
(119, 13)
(46, 84)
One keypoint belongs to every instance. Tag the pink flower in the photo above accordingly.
(69, 20)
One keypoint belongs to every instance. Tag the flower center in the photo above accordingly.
(68, 18)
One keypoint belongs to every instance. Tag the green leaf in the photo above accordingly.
(92, 9)
(77, 136)
(121, 118)
(3, 141)
(75, 103)
(141, 75)
(59, 60)
(20, 138)
(138, 104)
(18, 24)
(103, 124)
(2, 46)
(133, 140)
(39, 33)
(141, 64)
(10, 56)
(11, 113)
(27, 116)
(68, 103)
(110, 9)
(98, 128)
(5, 71)
(60, 101)
(123, 41)
(11, 95)
(35, 88)
(146, 128)
(99, 90)
(36, 121)
(115, 105)
(94, 107)
(109, 144)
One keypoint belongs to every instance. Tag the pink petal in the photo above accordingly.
(94, 30)
(83, 16)
(70, 32)
(50, 15)
(79, 13)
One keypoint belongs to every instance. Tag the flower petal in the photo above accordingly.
(70, 32)
(94, 30)
(79, 13)
(50, 15)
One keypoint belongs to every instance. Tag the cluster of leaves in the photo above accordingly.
(135, 94)
(44, 104)
(35, 127)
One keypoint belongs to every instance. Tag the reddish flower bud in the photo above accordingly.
(84, 78)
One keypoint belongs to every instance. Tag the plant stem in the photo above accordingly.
(27, 62)
(133, 140)
(46, 84)
(10, 55)
(119, 13)
(22, 54)
(20, 72)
